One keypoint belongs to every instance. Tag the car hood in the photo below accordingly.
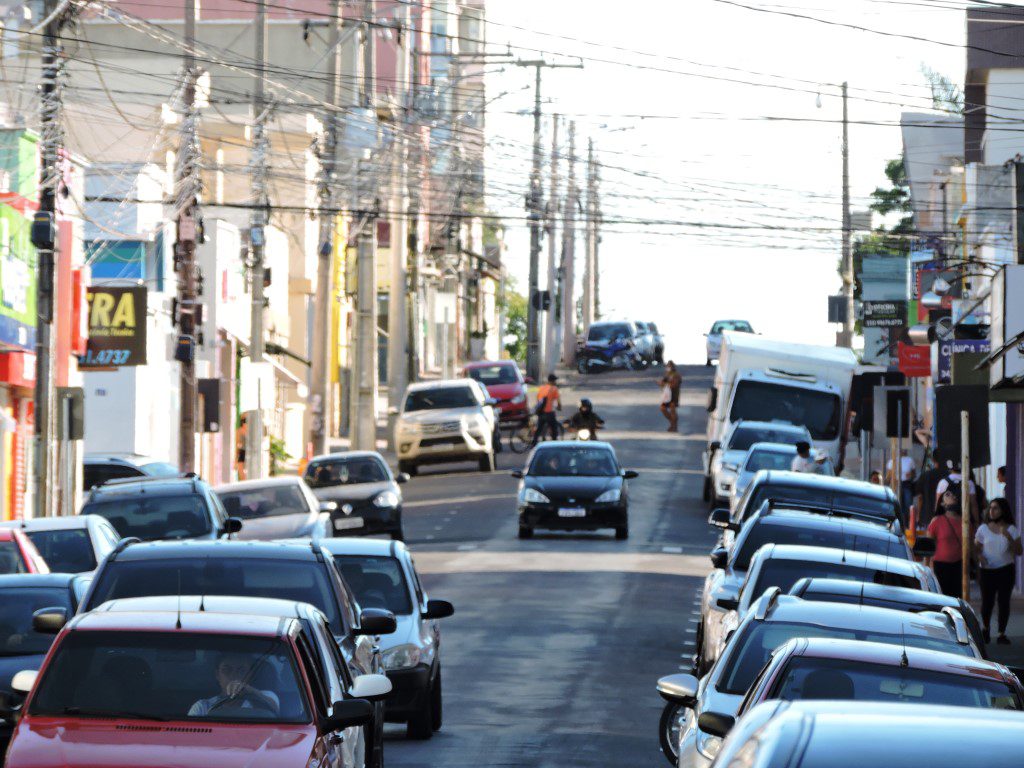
(77, 743)
(438, 415)
(584, 488)
(12, 665)
(504, 391)
(407, 631)
(277, 527)
(354, 492)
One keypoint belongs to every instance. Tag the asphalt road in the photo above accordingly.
(557, 641)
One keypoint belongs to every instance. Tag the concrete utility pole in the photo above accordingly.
(569, 258)
(188, 225)
(590, 215)
(319, 374)
(846, 337)
(596, 269)
(550, 338)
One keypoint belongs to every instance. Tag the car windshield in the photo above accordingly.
(378, 582)
(812, 678)
(785, 573)
(732, 325)
(494, 374)
(762, 401)
(296, 580)
(842, 501)
(440, 397)
(751, 649)
(835, 535)
(11, 560)
(152, 517)
(17, 604)
(573, 461)
(765, 459)
(271, 501)
(172, 676)
(65, 551)
(160, 469)
(351, 471)
(744, 437)
(609, 332)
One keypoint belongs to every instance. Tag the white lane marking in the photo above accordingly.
(510, 496)
(560, 562)
(438, 527)
(466, 547)
(430, 536)
(689, 631)
(693, 619)
(672, 550)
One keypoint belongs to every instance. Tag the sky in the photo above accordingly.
(713, 211)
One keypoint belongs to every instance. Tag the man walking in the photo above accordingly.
(548, 400)
(670, 385)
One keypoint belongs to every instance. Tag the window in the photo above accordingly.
(314, 672)
(17, 604)
(609, 332)
(376, 581)
(753, 537)
(744, 437)
(355, 470)
(97, 474)
(573, 462)
(440, 397)
(153, 517)
(765, 459)
(271, 501)
(740, 326)
(761, 401)
(494, 374)
(785, 573)
(11, 560)
(65, 551)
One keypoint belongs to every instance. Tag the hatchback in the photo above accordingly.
(359, 492)
(73, 544)
(275, 508)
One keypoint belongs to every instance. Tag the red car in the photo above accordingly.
(505, 383)
(18, 554)
(164, 689)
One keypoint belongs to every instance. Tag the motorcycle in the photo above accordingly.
(620, 354)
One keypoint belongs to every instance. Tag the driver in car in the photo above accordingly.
(232, 673)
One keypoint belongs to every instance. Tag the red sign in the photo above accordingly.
(79, 313)
(915, 360)
(18, 369)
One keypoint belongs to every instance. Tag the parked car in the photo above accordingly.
(727, 456)
(773, 620)
(573, 486)
(777, 525)
(18, 554)
(445, 421)
(22, 647)
(659, 343)
(294, 571)
(845, 734)
(506, 384)
(382, 575)
(146, 689)
(275, 508)
(610, 345)
(714, 336)
(644, 341)
(770, 457)
(359, 491)
(73, 544)
(98, 468)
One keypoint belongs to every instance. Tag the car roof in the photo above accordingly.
(425, 385)
(347, 455)
(62, 523)
(489, 364)
(352, 545)
(135, 459)
(844, 616)
(770, 425)
(230, 604)
(824, 482)
(270, 550)
(833, 555)
(156, 486)
(173, 621)
(870, 590)
(11, 580)
(799, 518)
(789, 448)
(548, 444)
(266, 482)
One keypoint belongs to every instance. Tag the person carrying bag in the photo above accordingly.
(999, 544)
(947, 531)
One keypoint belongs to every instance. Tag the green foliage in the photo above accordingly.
(278, 455)
(514, 307)
(894, 240)
(947, 96)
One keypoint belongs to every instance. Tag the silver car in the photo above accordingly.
(770, 456)
(73, 544)
(714, 336)
(276, 508)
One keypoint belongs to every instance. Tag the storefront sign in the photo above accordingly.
(885, 314)
(117, 327)
(18, 369)
(915, 360)
(946, 349)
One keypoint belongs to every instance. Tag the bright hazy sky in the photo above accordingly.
(720, 162)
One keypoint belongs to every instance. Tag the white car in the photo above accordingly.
(276, 508)
(445, 421)
(727, 457)
(72, 544)
(714, 336)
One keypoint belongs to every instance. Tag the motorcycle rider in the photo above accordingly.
(586, 418)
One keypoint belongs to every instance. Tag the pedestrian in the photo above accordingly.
(549, 399)
(926, 489)
(946, 528)
(671, 382)
(241, 436)
(1001, 479)
(876, 477)
(998, 543)
(804, 462)
(954, 480)
(907, 473)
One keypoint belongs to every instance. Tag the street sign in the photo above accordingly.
(891, 417)
(885, 314)
(915, 360)
(946, 349)
(117, 327)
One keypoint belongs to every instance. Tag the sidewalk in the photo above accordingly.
(1011, 655)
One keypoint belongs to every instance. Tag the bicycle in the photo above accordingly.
(522, 438)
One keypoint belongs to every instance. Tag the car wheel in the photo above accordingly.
(581, 366)
(670, 729)
(487, 462)
(706, 494)
(525, 532)
(421, 722)
(622, 532)
(408, 467)
(708, 363)
(438, 705)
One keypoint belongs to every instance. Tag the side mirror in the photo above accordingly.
(402, 477)
(728, 603)
(679, 689)
(49, 621)
(376, 621)
(719, 558)
(370, 687)
(231, 525)
(438, 609)
(722, 518)
(516, 473)
(630, 474)
(328, 506)
(349, 713)
(716, 723)
(924, 547)
(23, 681)
(714, 446)
(491, 401)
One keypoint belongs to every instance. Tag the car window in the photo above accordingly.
(171, 676)
(573, 461)
(766, 531)
(65, 551)
(332, 652)
(11, 560)
(417, 587)
(741, 326)
(377, 582)
(494, 374)
(98, 474)
(270, 501)
(440, 397)
(17, 604)
(160, 469)
(153, 517)
(353, 470)
(314, 672)
(766, 459)
(609, 332)
(777, 572)
(345, 597)
(744, 437)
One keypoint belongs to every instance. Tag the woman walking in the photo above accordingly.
(998, 544)
(946, 529)
(670, 384)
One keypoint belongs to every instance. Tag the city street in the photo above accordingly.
(557, 642)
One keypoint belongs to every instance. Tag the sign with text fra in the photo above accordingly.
(117, 327)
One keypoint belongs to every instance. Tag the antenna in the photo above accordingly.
(842, 531)
(177, 624)
(202, 603)
(904, 661)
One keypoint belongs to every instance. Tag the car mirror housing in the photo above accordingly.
(23, 681)
(715, 445)
(716, 723)
(719, 558)
(370, 687)
(679, 689)
(438, 609)
(376, 621)
(722, 518)
(349, 713)
(231, 525)
(924, 546)
(727, 603)
(49, 621)
(402, 477)
(630, 474)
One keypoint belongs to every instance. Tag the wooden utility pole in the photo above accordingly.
(965, 503)
(590, 228)
(846, 339)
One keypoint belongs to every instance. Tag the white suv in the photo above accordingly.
(443, 421)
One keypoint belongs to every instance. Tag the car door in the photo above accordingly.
(331, 744)
(355, 737)
(429, 631)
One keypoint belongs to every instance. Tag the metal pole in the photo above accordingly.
(596, 268)
(550, 341)
(398, 321)
(847, 334)
(965, 502)
(534, 208)
(364, 422)
(588, 256)
(569, 258)
(1018, 208)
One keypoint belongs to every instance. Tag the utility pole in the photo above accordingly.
(569, 258)
(846, 337)
(591, 236)
(596, 269)
(188, 226)
(321, 353)
(550, 341)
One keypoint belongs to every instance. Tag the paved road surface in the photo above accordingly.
(557, 641)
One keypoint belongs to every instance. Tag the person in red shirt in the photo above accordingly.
(549, 399)
(947, 531)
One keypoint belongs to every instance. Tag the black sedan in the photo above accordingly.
(573, 486)
(365, 495)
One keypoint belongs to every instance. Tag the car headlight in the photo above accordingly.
(401, 657)
(609, 496)
(386, 499)
(518, 399)
(707, 744)
(533, 496)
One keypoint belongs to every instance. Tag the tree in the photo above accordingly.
(513, 304)
(894, 199)
(947, 96)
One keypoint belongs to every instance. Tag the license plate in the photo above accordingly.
(572, 512)
(344, 523)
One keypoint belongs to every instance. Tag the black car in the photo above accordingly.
(156, 508)
(21, 646)
(364, 492)
(288, 571)
(100, 468)
(573, 486)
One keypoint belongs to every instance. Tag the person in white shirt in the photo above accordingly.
(907, 475)
(231, 673)
(998, 545)
(955, 477)
(803, 462)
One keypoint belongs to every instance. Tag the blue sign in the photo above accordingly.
(946, 350)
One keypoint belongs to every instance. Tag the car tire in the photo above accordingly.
(409, 467)
(421, 722)
(581, 366)
(708, 363)
(670, 713)
(487, 462)
(706, 493)
(525, 532)
(622, 532)
(437, 710)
